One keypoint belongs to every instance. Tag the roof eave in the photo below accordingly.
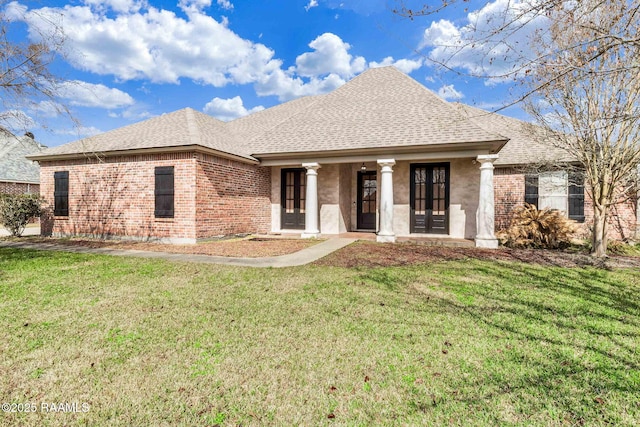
(132, 152)
(492, 147)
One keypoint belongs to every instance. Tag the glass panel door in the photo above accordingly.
(430, 198)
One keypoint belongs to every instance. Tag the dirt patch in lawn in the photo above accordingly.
(369, 254)
(243, 248)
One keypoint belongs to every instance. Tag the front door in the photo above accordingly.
(430, 198)
(367, 193)
(293, 198)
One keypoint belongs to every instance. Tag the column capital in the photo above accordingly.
(388, 163)
(486, 160)
(311, 166)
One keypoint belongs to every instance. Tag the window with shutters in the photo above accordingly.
(556, 190)
(61, 193)
(164, 192)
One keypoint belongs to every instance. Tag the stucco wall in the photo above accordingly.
(114, 196)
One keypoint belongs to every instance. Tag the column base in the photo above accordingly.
(386, 238)
(487, 242)
(310, 235)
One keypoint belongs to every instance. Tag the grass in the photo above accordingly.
(459, 342)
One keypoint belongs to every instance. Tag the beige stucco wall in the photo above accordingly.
(337, 195)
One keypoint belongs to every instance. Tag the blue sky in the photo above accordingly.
(129, 60)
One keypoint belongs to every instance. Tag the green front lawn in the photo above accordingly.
(462, 342)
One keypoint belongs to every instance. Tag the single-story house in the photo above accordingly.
(18, 175)
(380, 154)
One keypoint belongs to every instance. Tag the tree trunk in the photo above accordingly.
(599, 235)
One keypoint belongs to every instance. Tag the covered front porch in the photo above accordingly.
(387, 199)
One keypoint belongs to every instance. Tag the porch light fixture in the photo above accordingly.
(363, 168)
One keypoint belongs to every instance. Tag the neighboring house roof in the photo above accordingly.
(181, 128)
(526, 140)
(14, 166)
(382, 109)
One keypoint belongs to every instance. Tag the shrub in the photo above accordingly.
(533, 228)
(17, 209)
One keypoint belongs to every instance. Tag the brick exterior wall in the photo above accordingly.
(509, 193)
(232, 197)
(18, 188)
(114, 196)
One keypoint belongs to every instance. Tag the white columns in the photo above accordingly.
(485, 215)
(385, 233)
(311, 202)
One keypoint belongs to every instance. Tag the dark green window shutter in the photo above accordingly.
(164, 192)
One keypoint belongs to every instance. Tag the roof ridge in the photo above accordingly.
(193, 127)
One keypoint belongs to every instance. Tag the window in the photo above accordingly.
(61, 193)
(556, 190)
(164, 192)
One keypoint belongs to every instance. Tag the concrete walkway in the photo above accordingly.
(302, 257)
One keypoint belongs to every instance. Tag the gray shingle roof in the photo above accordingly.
(13, 164)
(380, 108)
(526, 141)
(180, 128)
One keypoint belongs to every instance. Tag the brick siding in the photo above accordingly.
(18, 188)
(509, 193)
(232, 197)
(114, 196)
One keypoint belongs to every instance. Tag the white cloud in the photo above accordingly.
(78, 132)
(330, 56)
(157, 45)
(404, 65)
(141, 42)
(94, 95)
(448, 92)
(124, 6)
(228, 109)
(312, 3)
(286, 85)
(477, 48)
(225, 4)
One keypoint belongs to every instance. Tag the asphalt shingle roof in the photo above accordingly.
(380, 108)
(180, 128)
(13, 164)
(526, 141)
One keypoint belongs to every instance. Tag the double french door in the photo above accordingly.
(430, 198)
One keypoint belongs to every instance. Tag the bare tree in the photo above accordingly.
(587, 93)
(27, 83)
(578, 76)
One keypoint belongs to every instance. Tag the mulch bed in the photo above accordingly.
(369, 254)
(244, 248)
